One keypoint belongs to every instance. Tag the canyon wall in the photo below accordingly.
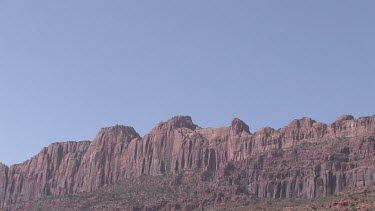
(304, 159)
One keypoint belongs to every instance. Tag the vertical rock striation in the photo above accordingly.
(49, 173)
(106, 158)
(3, 182)
(304, 159)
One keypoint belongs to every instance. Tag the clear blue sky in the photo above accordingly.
(70, 67)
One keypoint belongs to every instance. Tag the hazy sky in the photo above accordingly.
(70, 67)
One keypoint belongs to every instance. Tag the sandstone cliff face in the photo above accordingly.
(51, 172)
(106, 159)
(3, 181)
(303, 159)
(309, 170)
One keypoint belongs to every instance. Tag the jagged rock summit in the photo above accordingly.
(176, 122)
(238, 126)
(305, 159)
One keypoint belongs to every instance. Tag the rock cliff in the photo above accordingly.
(304, 159)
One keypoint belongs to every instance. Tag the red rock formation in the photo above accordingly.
(298, 160)
(51, 172)
(3, 182)
(106, 159)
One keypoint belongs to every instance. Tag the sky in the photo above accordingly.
(69, 68)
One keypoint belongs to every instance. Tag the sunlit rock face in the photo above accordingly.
(304, 159)
(51, 172)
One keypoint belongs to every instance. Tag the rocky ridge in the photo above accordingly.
(305, 159)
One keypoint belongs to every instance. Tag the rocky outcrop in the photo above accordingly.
(304, 159)
(3, 182)
(49, 173)
(106, 159)
(309, 170)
